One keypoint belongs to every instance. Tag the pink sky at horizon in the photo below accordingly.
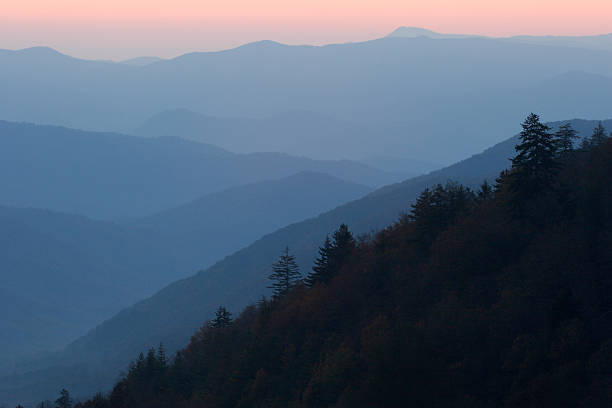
(120, 29)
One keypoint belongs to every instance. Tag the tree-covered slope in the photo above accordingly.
(174, 313)
(499, 298)
(64, 274)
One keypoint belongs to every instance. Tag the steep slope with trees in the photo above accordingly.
(64, 274)
(463, 302)
(174, 313)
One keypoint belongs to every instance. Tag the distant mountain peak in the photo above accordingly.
(41, 50)
(262, 44)
(415, 32)
(405, 31)
(141, 61)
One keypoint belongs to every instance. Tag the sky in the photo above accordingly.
(121, 29)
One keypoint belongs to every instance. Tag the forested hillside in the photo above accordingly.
(497, 297)
(174, 313)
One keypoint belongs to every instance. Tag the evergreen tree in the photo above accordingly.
(285, 273)
(565, 138)
(436, 209)
(332, 256)
(343, 239)
(535, 164)
(321, 267)
(64, 400)
(486, 192)
(151, 362)
(599, 135)
(343, 245)
(161, 356)
(501, 180)
(596, 138)
(586, 143)
(223, 318)
(421, 209)
(140, 363)
(99, 401)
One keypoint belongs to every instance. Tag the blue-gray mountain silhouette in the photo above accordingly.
(417, 93)
(110, 176)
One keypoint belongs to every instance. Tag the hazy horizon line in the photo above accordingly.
(312, 44)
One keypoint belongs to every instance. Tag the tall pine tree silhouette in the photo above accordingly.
(565, 138)
(343, 245)
(535, 165)
(64, 400)
(321, 266)
(223, 318)
(332, 256)
(486, 192)
(599, 135)
(285, 273)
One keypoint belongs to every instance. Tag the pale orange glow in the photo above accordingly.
(126, 28)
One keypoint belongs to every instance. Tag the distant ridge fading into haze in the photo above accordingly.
(438, 99)
(413, 32)
(141, 61)
(300, 133)
(100, 267)
(111, 176)
(595, 42)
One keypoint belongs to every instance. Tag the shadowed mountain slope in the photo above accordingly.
(174, 313)
(65, 273)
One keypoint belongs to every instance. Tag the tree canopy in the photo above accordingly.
(461, 303)
(285, 273)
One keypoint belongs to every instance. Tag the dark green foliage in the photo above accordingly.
(239, 279)
(321, 265)
(598, 137)
(223, 318)
(436, 209)
(493, 312)
(533, 168)
(285, 273)
(161, 356)
(64, 400)
(343, 245)
(98, 401)
(486, 192)
(565, 138)
(332, 256)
